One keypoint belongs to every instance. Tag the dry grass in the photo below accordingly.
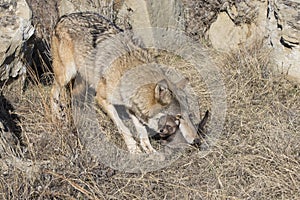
(256, 157)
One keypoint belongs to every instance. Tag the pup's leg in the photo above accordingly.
(143, 135)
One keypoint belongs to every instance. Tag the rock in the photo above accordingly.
(284, 35)
(199, 16)
(45, 16)
(145, 14)
(142, 16)
(231, 36)
(224, 24)
(242, 22)
(16, 29)
(238, 24)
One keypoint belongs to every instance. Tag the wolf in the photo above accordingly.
(120, 70)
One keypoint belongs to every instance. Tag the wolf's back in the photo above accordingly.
(82, 32)
(86, 29)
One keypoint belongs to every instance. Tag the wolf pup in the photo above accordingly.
(169, 125)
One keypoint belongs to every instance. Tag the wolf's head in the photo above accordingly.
(162, 93)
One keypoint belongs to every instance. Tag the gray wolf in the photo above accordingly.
(80, 44)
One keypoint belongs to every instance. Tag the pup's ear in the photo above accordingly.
(160, 88)
(182, 83)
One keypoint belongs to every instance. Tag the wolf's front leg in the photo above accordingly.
(113, 114)
(130, 142)
(143, 135)
(57, 107)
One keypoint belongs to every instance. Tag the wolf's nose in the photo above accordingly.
(196, 141)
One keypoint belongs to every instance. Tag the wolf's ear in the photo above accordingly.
(160, 88)
(202, 123)
(162, 84)
(182, 83)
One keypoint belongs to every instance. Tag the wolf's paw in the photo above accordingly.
(147, 147)
(134, 149)
(58, 110)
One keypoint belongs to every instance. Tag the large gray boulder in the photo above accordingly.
(146, 17)
(156, 13)
(238, 24)
(15, 30)
(276, 21)
(284, 35)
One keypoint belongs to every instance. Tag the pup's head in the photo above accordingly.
(171, 126)
(167, 126)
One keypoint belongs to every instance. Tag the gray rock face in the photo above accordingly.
(199, 16)
(287, 15)
(238, 24)
(284, 35)
(147, 17)
(16, 29)
(226, 24)
(156, 13)
(242, 22)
